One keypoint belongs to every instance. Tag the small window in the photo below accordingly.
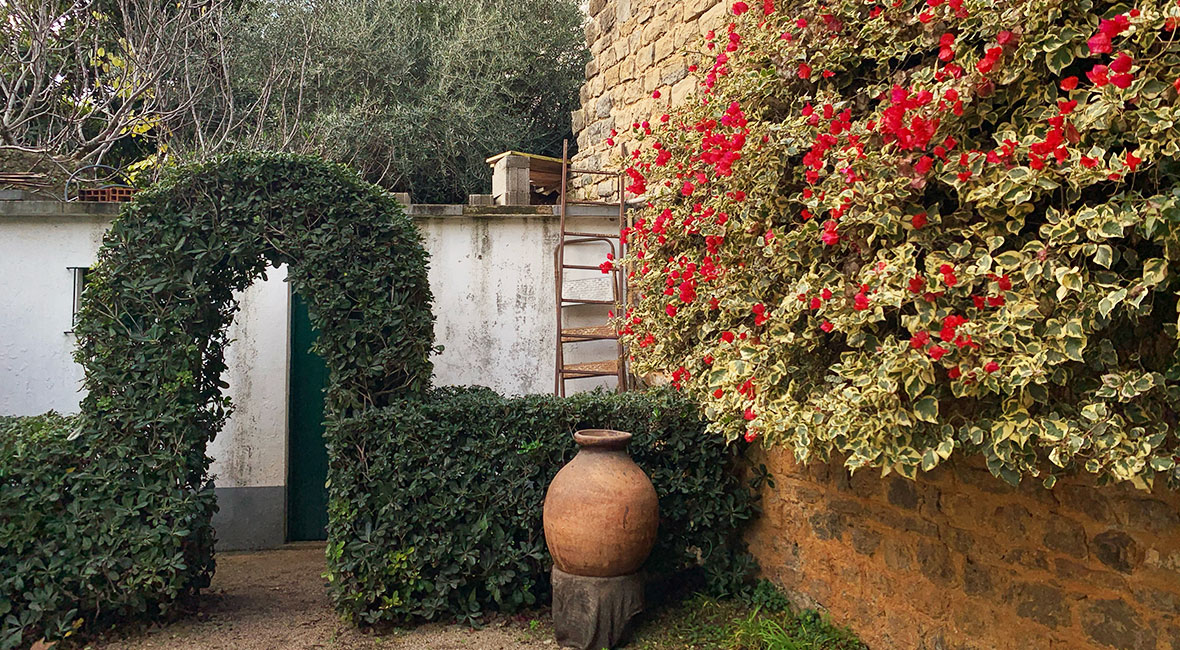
(79, 274)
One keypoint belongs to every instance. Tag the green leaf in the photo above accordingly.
(1110, 301)
(1071, 280)
(1009, 260)
(1104, 256)
(929, 460)
(1155, 271)
(926, 409)
(1059, 59)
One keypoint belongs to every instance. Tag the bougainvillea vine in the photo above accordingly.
(894, 230)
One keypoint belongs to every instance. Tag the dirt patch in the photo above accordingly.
(277, 599)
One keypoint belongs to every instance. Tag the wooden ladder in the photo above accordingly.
(609, 241)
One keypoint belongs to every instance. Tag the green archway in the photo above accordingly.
(152, 333)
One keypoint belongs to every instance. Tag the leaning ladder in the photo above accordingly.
(606, 367)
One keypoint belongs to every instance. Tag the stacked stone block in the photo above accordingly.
(960, 560)
(637, 47)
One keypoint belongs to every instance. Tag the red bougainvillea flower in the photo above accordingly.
(936, 352)
(655, 94)
(751, 435)
(948, 275)
(860, 302)
(1004, 282)
(954, 373)
(749, 414)
(1122, 63)
(1098, 75)
(988, 62)
(949, 326)
(760, 316)
(688, 188)
(919, 340)
(830, 235)
(727, 337)
(1122, 81)
(1069, 83)
(740, 8)
(918, 220)
(804, 71)
(1099, 43)
(1132, 161)
(670, 310)
(917, 284)
(991, 366)
(609, 264)
(826, 326)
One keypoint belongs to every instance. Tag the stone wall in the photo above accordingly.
(959, 560)
(637, 47)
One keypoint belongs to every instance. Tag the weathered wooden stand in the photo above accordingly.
(595, 613)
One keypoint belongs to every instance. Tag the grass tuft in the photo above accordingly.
(764, 621)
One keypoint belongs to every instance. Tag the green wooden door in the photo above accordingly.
(307, 457)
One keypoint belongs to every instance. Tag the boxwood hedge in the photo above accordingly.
(435, 503)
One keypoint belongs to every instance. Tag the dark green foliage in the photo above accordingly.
(114, 520)
(435, 504)
(414, 95)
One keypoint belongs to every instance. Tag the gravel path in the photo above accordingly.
(276, 599)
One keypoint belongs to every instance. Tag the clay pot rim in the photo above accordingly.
(602, 439)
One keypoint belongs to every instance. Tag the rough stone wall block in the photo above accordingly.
(636, 47)
(959, 559)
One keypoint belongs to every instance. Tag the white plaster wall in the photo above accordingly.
(37, 370)
(251, 450)
(492, 279)
(493, 285)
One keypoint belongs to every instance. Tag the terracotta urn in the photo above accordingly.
(601, 511)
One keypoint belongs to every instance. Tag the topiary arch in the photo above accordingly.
(152, 333)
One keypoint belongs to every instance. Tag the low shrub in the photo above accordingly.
(435, 503)
(80, 543)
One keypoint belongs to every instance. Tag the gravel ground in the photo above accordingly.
(276, 599)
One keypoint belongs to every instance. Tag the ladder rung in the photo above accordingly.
(585, 240)
(601, 203)
(598, 333)
(585, 267)
(587, 301)
(591, 235)
(592, 369)
(594, 172)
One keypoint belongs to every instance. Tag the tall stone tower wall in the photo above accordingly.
(637, 47)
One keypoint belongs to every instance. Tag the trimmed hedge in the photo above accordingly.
(62, 535)
(112, 519)
(440, 514)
